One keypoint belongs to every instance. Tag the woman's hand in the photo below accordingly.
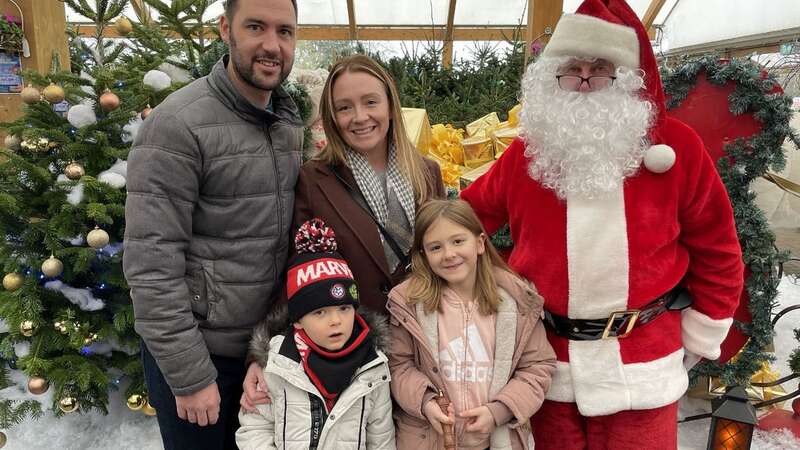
(479, 420)
(255, 389)
(436, 416)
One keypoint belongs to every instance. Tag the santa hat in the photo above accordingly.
(611, 30)
(318, 276)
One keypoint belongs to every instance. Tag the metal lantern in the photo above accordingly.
(732, 422)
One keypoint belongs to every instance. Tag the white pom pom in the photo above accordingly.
(175, 73)
(80, 116)
(659, 158)
(112, 179)
(157, 80)
(130, 130)
(22, 349)
(4, 326)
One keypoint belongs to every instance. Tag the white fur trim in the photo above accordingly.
(589, 37)
(597, 255)
(703, 335)
(638, 386)
(561, 386)
(659, 158)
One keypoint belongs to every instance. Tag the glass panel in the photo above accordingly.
(730, 435)
(405, 12)
(501, 12)
(321, 12)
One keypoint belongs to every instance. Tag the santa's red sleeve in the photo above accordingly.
(715, 276)
(488, 194)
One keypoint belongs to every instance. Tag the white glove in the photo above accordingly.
(690, 360)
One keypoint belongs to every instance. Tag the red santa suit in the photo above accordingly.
(592, 257)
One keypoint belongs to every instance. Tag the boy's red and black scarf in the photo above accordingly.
(332, 372)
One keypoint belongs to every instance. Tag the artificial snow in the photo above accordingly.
(124, 429)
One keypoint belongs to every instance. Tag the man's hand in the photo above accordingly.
(436, 417)
(479, 420)
(201, 408)
(255, 389)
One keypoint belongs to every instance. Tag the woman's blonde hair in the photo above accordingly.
(411, 163)
(424, 285)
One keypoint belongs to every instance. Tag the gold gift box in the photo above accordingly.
(502, 138)
(712, 387)
(418, 128)
(472, 175)
(481, 127)
(477, 151)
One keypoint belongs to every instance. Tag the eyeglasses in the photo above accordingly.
(574, 82)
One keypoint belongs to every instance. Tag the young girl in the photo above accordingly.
(464, 326)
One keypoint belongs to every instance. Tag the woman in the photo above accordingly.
(366, 184)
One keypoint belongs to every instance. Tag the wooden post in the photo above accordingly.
(351, 18)
(542, 18)
(45, 26)
(650, 15)
(447, 52)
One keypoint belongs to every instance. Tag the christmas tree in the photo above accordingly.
(66, 319)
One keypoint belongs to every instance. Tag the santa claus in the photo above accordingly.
(616, 211)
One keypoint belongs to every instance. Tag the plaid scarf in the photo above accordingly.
(370, 185)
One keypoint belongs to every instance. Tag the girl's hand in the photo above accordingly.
(436, 417)
(479, 420)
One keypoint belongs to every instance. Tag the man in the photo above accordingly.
(210, 198)
(611, 205)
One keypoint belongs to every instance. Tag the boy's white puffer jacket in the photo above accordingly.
(361, 419)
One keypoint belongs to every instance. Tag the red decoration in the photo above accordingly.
(780, 418)
(707, 110)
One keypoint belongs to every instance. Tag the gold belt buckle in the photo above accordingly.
(633, 315)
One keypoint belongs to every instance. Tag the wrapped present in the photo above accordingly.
(502, 138)
(446, 144)
(478, 150)
(483, 126)
(712, 387)
(513, 116)
(418, 128)
(468, 177)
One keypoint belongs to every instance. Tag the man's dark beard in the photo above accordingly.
(245, 69)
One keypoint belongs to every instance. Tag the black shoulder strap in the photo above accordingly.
(362, 202)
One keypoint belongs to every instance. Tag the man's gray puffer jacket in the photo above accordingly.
(210, 200)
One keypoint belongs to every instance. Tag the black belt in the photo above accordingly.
(620, 323)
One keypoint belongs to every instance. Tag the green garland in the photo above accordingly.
(749, 159)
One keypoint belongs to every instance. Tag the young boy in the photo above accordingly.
(325, 372)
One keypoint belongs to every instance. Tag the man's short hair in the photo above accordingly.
(231, 5)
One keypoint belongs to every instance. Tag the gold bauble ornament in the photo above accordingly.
(27, 328)
(148, 410)
(52, 267)
(54, 93)
(30, 95)
(136, 402)
(146, 112)
(89, 340)
(123, 26)
(109, 101)
(97, 238)
(74, 171)
(38, 385)
(68, 404)
(12, 142)
(3, 439)
(12, 281)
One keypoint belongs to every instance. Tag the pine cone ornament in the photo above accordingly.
(314, 236)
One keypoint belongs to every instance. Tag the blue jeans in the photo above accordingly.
(179, 434)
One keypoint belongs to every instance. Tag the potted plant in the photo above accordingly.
(11, 35)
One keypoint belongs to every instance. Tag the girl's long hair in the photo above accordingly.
(411, 162)
(425, 286)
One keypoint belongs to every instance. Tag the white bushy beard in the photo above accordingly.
(583, 144)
